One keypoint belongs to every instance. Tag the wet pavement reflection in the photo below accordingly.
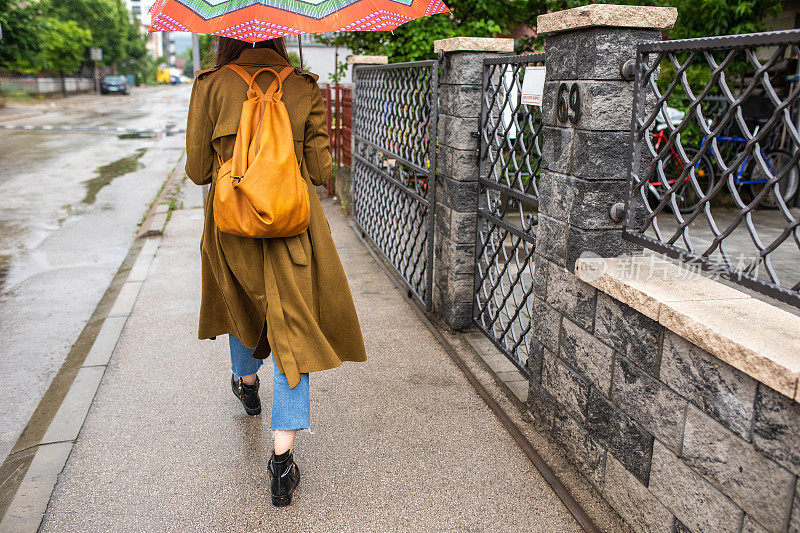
(107, 173)
(72, 202)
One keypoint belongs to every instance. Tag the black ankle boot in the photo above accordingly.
(284, 477)
(247, 394)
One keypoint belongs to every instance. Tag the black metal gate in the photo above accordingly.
(395, 109)
(507, 207)
(714, 173)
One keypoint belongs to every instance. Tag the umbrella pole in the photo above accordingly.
(300, 50)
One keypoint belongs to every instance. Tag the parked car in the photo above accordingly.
(174, 80)
(114, 84)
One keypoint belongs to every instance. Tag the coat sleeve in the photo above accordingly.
(199, 153)
(316, 144)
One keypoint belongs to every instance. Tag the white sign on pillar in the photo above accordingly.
(533, 85)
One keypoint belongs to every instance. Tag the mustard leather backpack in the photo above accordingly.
(260, 192)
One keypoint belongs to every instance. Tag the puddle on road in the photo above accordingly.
(108, 173)
(137, 135)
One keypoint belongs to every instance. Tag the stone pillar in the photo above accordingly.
(457, 173)
(585, 151)
(585, 158)
(584, 155)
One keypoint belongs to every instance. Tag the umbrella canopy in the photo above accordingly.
(258, 20)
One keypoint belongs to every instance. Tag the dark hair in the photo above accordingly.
(228, 49)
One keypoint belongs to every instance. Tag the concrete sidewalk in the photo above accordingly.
(401, 441)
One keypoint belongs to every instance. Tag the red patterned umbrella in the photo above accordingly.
(258, 20)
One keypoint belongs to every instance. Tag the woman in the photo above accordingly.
(288, 297)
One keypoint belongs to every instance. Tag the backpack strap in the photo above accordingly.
(248, 79)
(276, 87)
(279, 79)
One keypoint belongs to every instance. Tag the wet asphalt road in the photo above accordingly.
(71, 204)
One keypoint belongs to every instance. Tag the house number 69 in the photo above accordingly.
(569, 97)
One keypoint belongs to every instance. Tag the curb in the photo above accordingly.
(159, 212)
(27, 508)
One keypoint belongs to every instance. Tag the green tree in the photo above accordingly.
(23, 26)
(188, 67)
(206, 51)
(294, 60)
(46, 34)
(140, 63)
(113, 28)
(64, 46)
(491, 18)
(136, 59)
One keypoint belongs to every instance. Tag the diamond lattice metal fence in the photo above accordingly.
(714, 169)
(395, 111)
(508, 201)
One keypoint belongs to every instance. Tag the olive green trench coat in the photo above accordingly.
(289, 295)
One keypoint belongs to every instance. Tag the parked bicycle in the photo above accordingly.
(689, 193)
(750, 178)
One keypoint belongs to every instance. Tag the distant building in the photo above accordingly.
(156, 44)
(320, 58)
(168, 46)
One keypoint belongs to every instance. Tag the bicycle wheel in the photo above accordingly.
(686, 196)
(778, 161)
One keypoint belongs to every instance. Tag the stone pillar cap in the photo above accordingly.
(367, 60)
(609, 15)
(473, 44)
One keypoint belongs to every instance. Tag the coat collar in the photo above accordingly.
(260, 56)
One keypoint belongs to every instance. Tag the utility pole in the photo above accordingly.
(195, 52)
(195, 68)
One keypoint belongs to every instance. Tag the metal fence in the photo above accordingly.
(338, 100)
(713, 178)
(507, 207)
(44, 85)
(395, 109)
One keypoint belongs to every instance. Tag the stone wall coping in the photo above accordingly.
(473, 44)
(367, 60)
(761, 340)
(609, 15)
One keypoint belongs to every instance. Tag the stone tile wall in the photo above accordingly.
(674, 438)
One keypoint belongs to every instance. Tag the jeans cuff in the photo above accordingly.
(292, 429)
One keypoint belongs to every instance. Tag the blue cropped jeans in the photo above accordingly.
(291, 408)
